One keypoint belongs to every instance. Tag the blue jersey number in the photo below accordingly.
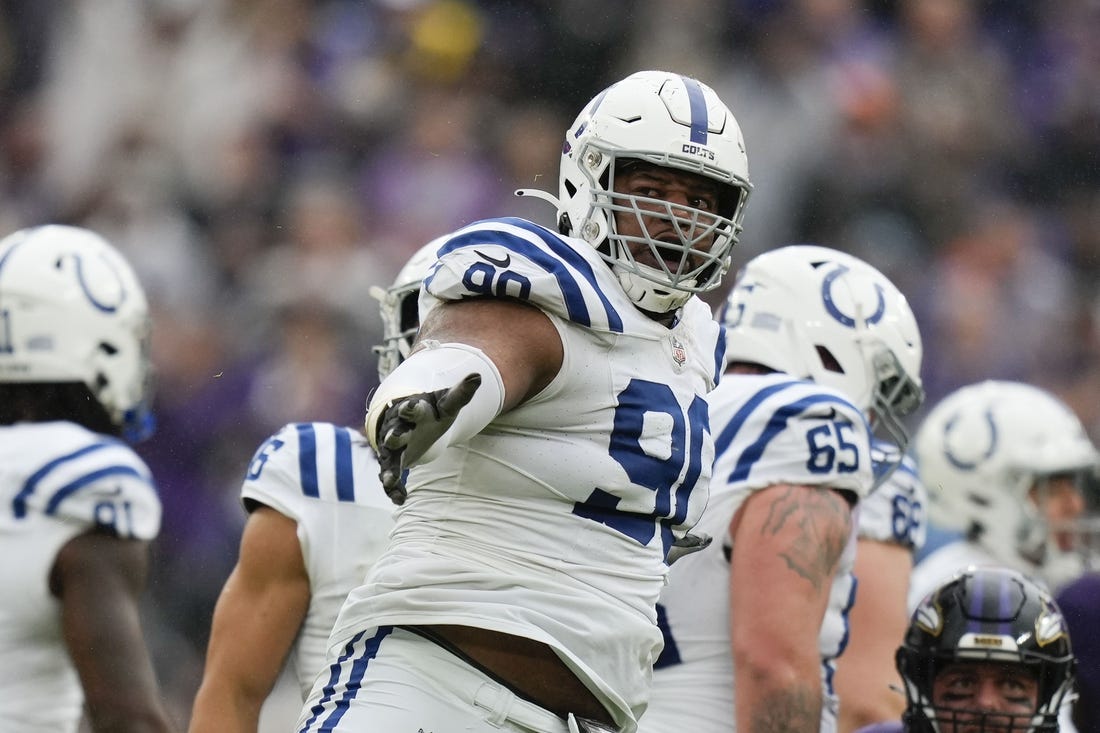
(906, 519)
(487, 280)
(118, 518)
(262, 454)
(831, 445)
(671, 478)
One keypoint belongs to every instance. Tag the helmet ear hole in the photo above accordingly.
(828, 360)
(565, 226)
(410, 316)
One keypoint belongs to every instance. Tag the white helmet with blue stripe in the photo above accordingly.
(668, 120)
(72, 311)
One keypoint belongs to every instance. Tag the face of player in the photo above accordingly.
(973, 688)
(1060, 499)
(672, 192)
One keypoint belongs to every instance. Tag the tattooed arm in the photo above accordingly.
(787, 541)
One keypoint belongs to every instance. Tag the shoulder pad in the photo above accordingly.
(304, 462)
(515, 258)
(787, 430)
(100, 484)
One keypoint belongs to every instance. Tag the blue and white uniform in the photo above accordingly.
(325, 478)
(769, 430)
(57, 481)
(896, 511)
(553, 523)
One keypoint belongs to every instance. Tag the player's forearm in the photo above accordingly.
(225, 711)
(792, 708)
(126, 716)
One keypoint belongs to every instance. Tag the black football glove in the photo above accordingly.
(409, 427)
(686, 545)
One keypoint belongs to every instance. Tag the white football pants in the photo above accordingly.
(389, 680)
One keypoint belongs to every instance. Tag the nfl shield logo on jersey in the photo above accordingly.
(679, 354)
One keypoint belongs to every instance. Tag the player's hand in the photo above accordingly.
(686, 545)
(410, 426)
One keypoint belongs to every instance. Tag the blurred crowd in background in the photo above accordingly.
(265, 162)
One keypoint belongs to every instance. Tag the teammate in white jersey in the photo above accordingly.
(1005, 464)
(818, 344)
(892, 528)
(318, 518)
(553, 427)
(79, 506)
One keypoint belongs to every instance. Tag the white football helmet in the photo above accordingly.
(980, 452)
(397, 305)
(72, 310)
(821, 314)
(668, 120)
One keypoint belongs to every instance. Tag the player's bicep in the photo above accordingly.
(99, 579)
(876, 622)
(261, 606)
(787, 542)
(256, 619)
(800, 530)
(520, 340)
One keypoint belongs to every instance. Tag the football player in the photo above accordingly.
(986, 651)
(317, 518)
(1080, 602)
(821, 349)
(547, 438)
(891, 529)
(79, 506)
(1005, 464)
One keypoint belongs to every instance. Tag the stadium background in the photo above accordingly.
(264, 162)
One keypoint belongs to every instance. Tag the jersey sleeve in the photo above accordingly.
(307, 464)
(273, 475)
(520, 260)
(800, 434)
(895, 512)
(103, 485)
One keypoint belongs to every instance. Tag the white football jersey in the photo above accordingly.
(57, 480)
(896, 511)
(553, 523)
(769, 429)
(325, 478)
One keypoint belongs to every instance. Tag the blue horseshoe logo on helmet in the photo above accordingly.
(958, 462)
(844, 318)
(96, 303)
